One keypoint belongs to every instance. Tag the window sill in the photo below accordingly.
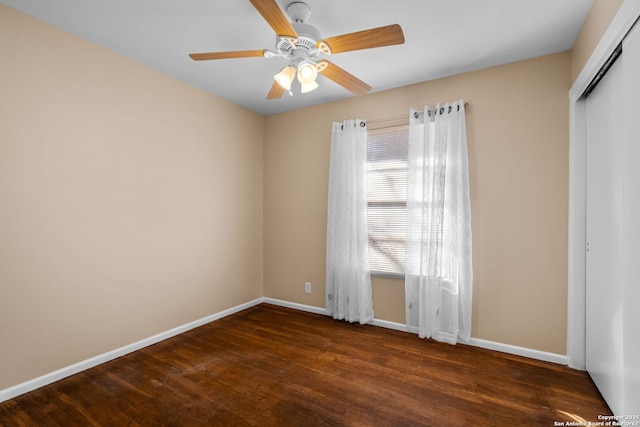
(399, 276)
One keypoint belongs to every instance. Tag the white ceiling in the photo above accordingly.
(443, 37)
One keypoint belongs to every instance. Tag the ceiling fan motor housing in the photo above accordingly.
(308, 37)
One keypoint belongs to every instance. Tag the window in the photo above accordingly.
(387, 152)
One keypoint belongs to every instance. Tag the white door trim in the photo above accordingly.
(617, 30)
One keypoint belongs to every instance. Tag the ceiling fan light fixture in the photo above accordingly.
(285, 77)
(307, 73)
(308, 87)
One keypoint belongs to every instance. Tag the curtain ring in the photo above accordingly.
(415, 114)
(342, 127)
(449, 109)
(458, 107)
(441, 110)
(362, 124)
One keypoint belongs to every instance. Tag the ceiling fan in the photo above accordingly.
(302, 44)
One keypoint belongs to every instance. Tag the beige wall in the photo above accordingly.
(597, 22)
(518, 146)
(130, 202)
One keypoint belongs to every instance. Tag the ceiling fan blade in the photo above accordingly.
(343, 78)
(271, 12)
(226, 55)
(276, 91)
(367, 39)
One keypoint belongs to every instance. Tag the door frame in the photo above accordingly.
(576, 311)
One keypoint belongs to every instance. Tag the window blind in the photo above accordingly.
(387, 152)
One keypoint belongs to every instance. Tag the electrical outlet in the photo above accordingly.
(307, 287)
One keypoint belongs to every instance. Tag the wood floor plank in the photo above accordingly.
(273, 366)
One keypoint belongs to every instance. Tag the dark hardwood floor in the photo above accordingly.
(272, 366)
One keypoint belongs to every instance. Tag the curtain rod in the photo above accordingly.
(395, 118)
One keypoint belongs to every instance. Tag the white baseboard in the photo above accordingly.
(390, 325)
(559, 359)
(67, 371)
(318, 310)
(295, 306)
(476, 342)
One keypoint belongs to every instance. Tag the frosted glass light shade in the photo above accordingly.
(307, 73)
(308, 87)
(285, 77)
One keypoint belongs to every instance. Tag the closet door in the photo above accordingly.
(631, 226)
(613, 233)
(604, 323)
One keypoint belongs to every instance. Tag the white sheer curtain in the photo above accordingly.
(438, 276)
(348, 290)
